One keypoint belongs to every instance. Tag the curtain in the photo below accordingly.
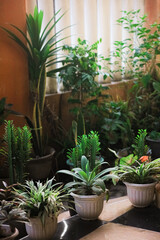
(90, 20)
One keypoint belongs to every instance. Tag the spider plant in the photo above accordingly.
(40, 199)
(143, 172)
(42, 52)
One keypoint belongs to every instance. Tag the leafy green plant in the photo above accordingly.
(116, 124)
(40, 199)
(87, 145)
(79, 77)
(143, 172)
(87, 181)
(42, 54)
(138, 52)
(17, 149)
(136, 57)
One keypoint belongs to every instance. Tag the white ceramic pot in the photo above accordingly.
(88, 207)
(140, 195)
(37, 231)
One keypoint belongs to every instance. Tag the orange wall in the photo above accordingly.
(152, 8)
(14, 82)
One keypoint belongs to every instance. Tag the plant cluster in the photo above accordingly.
(137, 57)
(116, 124)
(17, 148)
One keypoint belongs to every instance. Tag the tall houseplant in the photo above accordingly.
(42, 52)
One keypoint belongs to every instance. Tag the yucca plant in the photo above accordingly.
(87, 181)
(42, 53)
(17, 148)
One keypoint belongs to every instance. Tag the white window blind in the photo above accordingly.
(90, 20)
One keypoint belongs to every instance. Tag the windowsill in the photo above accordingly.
(108, 84)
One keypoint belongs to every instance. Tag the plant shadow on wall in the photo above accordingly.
(42, 52)
(137, 58)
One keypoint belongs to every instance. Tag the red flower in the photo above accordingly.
(144, 159)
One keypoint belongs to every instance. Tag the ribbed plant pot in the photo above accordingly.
(88, 207)
(140, 195)
(40, 167)
(37, 231)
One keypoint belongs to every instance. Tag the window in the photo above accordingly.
(90, 20)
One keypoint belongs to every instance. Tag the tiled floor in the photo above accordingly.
(114, 231)
(119, 220)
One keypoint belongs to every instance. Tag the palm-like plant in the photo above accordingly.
(88, 182)
(42, 53)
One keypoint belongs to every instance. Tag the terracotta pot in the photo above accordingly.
(140, 195)
(37, 231)
(88, 207)
(39, 168)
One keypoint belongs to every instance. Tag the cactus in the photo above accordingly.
(17, 149)
(87, 145)
(94, 148)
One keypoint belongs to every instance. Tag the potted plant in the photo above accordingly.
(153, 140)
(42, 203)
(140, 179)
(9, 212)
(42, 52)
(17, 149)
(88, 188)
